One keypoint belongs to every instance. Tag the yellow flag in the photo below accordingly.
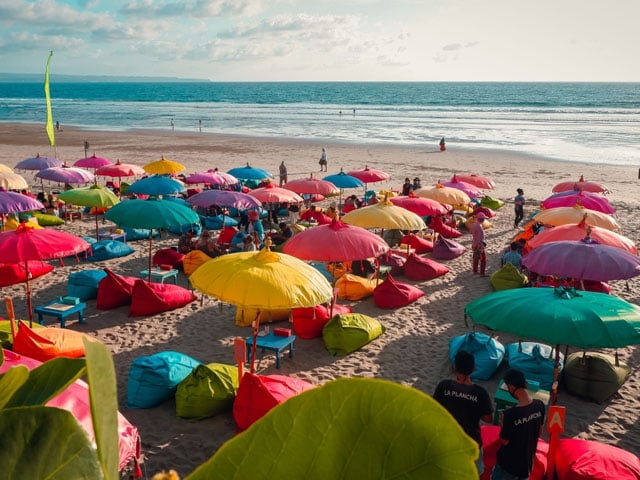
(49, 127)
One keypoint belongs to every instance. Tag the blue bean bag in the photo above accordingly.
(108, 249)
(180, 229)
(84, 284)
(487, 351)
(139, 233)
(535, 360)
(155, 378)
(216, 223)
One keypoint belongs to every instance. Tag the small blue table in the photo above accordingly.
(60, 311)
(160, 275)
(271, 342)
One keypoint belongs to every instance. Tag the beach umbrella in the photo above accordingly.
(342, 180)
(13, 181)
(257, 280)
(119, 170)
(249, 173)
(443, 194)
(581, 184)
(93, 196)
(92, 162)
(579, 231)
(471, 190)
(582, 259)
(150, 214)
(384, 214)
(38, 163)
(479, 181)
(12, 202)
(311, 186)
(224, 198)
(5, 169)
(563, 215)
(164, 166)
(420, 205)
(335, 242)
(212, 177)
(369, 175)
(560, 316)
(66, 175)
(156, 185)
(26, 243)
(569, 198)
(273, 194)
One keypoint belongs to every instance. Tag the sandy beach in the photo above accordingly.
(413, 350)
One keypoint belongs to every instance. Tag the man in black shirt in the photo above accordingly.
(467, 402)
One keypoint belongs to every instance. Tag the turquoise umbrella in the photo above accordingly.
(150, 214)
(249, 173)
(156, 185)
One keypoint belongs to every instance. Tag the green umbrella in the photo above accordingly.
(560, 316)
(93, 196)
(150, 214)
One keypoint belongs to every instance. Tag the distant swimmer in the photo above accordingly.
(442, 145)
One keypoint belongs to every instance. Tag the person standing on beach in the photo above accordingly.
(443, 147)
(283, 174)
(467, 402)
(323, 160)
(521, 427)
(478, 245)
(519, 207)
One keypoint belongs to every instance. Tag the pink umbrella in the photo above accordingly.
(420, 205)
(120, 170)
(312, 186)
(476, 180)
(70, 175)
(335, 242)
(92, 162)
(581, 184)
(27, 243)
(569, 198)
(471, 190)
(38, 163)
(273, 194)
(579, 231)
(369, 175)
(212, 177)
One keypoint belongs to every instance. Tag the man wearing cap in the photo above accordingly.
(467, 402)
(521, 428)
(478, 245)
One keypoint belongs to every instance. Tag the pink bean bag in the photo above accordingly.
(444, 249)
(307, 323)
(168, 256)
(419, 244)
(578, 459)
(392, 294)
(114, 290)
(151, 298)
(12, 273)
(438, 226)
(418, 268)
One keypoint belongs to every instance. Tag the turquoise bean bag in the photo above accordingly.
(108, 249)
(487, 352)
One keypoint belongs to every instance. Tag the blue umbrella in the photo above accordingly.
(156, 185)
(249, 173)
(342, 180)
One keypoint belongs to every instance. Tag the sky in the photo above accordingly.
(325, 40)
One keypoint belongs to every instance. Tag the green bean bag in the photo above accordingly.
(594, 375)
(347, 333)
(47, 220)
(206, 391)
(492, 203)
(507, 277)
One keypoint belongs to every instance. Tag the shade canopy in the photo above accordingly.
(38, 163)
(479, 181)
(443, 194)
(369, 175)
(212, 177)
(563, 215)
(70, 175)
(342, 180)
(578, 232)
(384, 214)
(224, 198)
(569, 198)
(93, 196)
(471, 190)
(164, 166)
(5, 168)
(12, 202)
(119, 169)
(13, 181)
(335, 242)
(150, 214)
(156, 185)
(581, 184)
(92, 162)
(312, 186)
(249, 173)
(420, 205)
(273, 194)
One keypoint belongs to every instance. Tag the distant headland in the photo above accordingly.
(56, 78)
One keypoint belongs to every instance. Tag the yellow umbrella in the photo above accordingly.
(5, 169)
(384, 214)
(563, 215)
(164, 166)
(443, 194)
(12, 181)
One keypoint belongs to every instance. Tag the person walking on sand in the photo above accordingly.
(466, 401)
(519, 207)
(283, 174)
(478, 245)
(323, 160)
(520, 429)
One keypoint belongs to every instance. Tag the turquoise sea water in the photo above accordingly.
(580, 122)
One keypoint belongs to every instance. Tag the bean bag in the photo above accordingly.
(419, 244)
(108, 249)
(396, 262)
(257, 394)
(308, 322)
(246, 316)
(168, 256)
(445, 249)
(155, 378)
(6, 338)
(46, 343)
(487, 352)
(578, 459)
(149, 298)
(337, 269)
(590, 286)
(139, 233)
(507, 277)
(114, 290)
(446, 231)
(347, 333)
(353, 287)
(393, 294)
(206, 391)
(216, 222)
(492, 203)
(47, 220)
(12, 273)
(226, 235)
(486, 210)
(468, 223)
(490, 444)
(322, 268)
(193, 260)
(418, 268)
(535, 360)
(84, 284)
(593, 375)
(12, 223)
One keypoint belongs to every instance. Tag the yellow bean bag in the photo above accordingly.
(12, 223)
(246, 316)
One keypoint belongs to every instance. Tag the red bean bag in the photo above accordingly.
(578, 459)
(308, 322)
(444, 249)
(490, 444)
(486, 210)
(12, 273)
(114, 290)
(418, 268)
(257, 394)
(168, 256)
(438, 226)
(419, 244)
(226, 235)
(392, 294)
(150, 298)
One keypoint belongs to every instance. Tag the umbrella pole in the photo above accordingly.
(97, 232)
(26, 271)
(12, 317)
(254, 343)
(150, 250)
(554, 386)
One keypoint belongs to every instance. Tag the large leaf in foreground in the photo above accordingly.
(45, 443)
(349, 428)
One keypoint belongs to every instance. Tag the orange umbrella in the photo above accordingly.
(563, 215)
(442, 194)
(580, 231)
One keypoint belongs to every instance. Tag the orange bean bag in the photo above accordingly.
(49, 342)
(193, 260)
(353, 287)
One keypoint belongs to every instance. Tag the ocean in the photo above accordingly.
(575, 122)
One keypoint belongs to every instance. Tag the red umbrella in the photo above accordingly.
(92, 162)
(335, 242)
(474, 179)
(120, 170)
(569, 198)
(420, 205)
(273, 194)
(370, 175)
(27, 243)
(312, 186)
(581, 184)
